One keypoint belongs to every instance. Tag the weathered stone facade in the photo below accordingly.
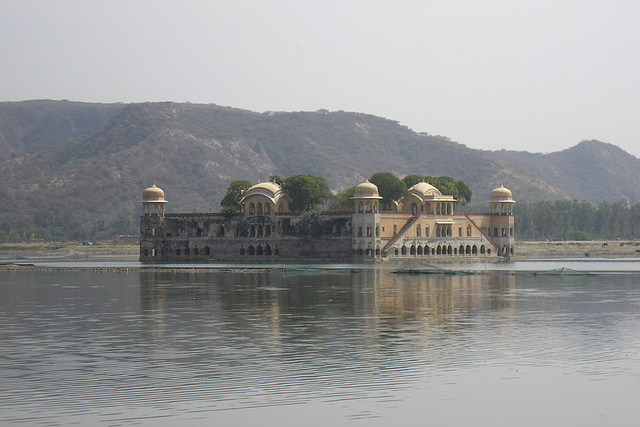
(423, 226)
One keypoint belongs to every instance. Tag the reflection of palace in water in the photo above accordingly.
(307, 300)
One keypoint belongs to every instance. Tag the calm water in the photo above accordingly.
(318, 347)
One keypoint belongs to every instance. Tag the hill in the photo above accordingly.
(32, 125)
(592, 170)
(90, 162)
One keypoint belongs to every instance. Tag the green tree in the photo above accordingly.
(464, 193)
(234, 194)
(413, 179)
(306, 191)
(277, 179)
(343, 200)
(313, 224)
(390, 188)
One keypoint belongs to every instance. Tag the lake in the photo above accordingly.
(321, 345)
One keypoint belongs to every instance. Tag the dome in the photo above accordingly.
(153, 194)
(267, 189)
(269, 186)
(366, 190)
(501, 194)
(425, 189)
(270, 190)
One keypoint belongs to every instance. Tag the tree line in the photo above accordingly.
(577, 220)
(310, 192)
(60, 226)
(552, 220)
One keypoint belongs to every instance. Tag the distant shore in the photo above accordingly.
(111, 250)
(129, 251)
(578, 249)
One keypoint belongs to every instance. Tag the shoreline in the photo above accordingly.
(23, 256)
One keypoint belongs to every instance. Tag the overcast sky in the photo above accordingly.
(526, 75)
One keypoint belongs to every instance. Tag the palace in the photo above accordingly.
(422, 225)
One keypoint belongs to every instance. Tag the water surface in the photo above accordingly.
(318, 347)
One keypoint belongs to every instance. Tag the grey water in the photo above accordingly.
(318, 346)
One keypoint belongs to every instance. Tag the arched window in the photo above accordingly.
(252, 209)
(418, 230)
(259, 208)
(414, 209)
(404, 250)
(267, 208)
(468, 230)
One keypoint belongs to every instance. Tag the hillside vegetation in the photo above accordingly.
(85, 165)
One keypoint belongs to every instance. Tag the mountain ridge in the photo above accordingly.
(97, 158)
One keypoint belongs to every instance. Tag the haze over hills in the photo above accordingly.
(94, 160)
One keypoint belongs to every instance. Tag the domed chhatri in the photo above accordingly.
(501, 194)
(265, 198)
(153, 194)
(366, 190)
(153, 201)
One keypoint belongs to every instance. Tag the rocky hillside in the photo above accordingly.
(591, 170)
(92, 161)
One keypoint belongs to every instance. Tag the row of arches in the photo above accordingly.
(426, 250)
(367, 206)
(265, 208)
(260, 250)
(260, 231)
(439, 208)
(368, 252)
(502, 209)
(259, 208)
(206, 251)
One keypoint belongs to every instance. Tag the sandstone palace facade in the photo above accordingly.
(423, 225)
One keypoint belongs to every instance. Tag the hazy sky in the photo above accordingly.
(522, 75)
